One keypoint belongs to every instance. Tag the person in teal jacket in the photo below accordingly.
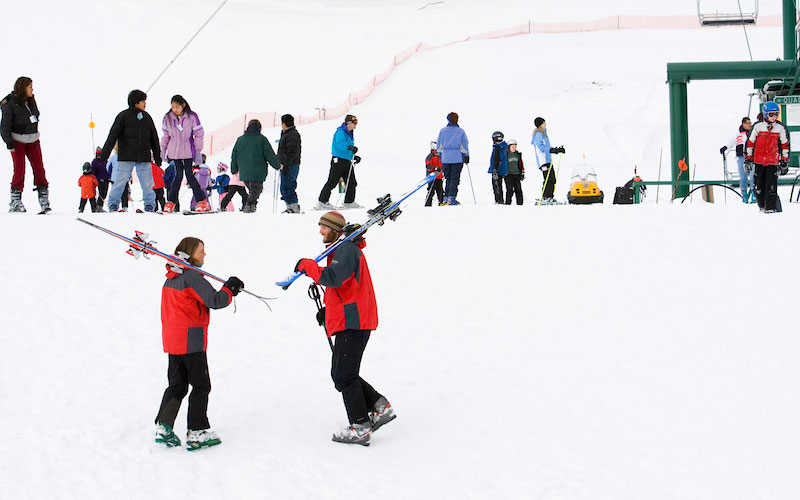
(251, 155)
(343, 157)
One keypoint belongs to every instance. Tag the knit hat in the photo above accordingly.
(538, 121)
(453, 118)
(333, 220)
(136, 96)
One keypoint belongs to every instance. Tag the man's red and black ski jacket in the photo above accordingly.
(185, 301)
(349, 296)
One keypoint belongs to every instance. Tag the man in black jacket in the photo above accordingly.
(289, 158)
(136, 134)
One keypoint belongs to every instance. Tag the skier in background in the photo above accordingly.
(88, 184)
(185, 302)
(203, 176)
(289, 149)
(433, 163)
(221, 184)
(158, 187)
(767, 150)
(543, 151)
(343, 157)
(349, 315)
(100, 171)
(498, 166)
(454, 150)
(235, 185)
(745, 178)
(252, 155)
(182, 142)
(516, 173)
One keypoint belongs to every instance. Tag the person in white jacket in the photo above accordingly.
(739, 142)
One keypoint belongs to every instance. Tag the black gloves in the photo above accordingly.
(557, 150)
(723, 149)
(352, 148)
(321, 316)
(494, 175)
(748, 165)
(234, 284)
(356, 159)
(784, 166)
(522, 176)
(466, 159)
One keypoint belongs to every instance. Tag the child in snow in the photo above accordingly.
(221, 184)
(516, 173)
(185, 302)
(100, 171)
(169, 177)
(234, 186)
(433, 163)
(498, 166)
(88, 184)
(158, 187)
(203, 175)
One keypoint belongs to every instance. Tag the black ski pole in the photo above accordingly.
(313, 293)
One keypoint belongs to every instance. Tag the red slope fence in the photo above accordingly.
(225, 136)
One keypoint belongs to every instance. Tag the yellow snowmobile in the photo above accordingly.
(583, 189)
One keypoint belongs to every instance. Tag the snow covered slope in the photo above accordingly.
(563, 352)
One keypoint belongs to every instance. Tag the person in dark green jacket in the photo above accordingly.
(251, 155)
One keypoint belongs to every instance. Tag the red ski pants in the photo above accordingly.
(34, 153)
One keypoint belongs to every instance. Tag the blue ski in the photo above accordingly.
(378, 215)
(139, 246)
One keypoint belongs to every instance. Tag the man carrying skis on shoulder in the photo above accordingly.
(350, 314)
(768, 150)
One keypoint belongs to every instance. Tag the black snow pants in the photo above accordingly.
(513, 186)
(359, 397)
(340, 169)
(232, 190)
(185, 370)
(550, 181)
(766, 186)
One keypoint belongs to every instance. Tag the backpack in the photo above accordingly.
(624, 194)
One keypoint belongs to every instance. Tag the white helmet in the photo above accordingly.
(433, 145)
(512, 141)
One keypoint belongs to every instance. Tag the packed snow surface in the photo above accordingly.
(557, 352)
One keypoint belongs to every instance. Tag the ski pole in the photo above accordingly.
(346, 185)
(658, 186)
(313, 293)
(475, 201)
(694, 176)
(275, 194)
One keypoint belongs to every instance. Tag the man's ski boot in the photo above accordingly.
(382, 413)
(354, 434)
(292, 208)
(249, 208)
(201, 439)
(323, 205)
(745, 196)
(16, 201)
(165, 436)
(44, 199)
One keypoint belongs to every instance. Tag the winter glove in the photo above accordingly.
(544, 168)
(356, 159)
(309, 267)
(321, 316)
(352, 148)
(494, 175)
(784, 166)
(466, 159)
(723, 149)
(234, 284)
(522, 176)
(557, 150)
(748, 165)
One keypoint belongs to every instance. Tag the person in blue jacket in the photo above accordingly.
(544, 159)
(343, 157)
(454, 150)
(498, 166)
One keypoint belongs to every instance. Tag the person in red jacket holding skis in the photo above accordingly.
(350, 314)
(768, 149)
(185, 302)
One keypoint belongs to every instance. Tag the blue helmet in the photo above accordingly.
(770, 107)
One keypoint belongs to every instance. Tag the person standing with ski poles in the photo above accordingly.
(543, 151)
(454, 150)
(186, 299)
(350, 315)
(343, 157)
(768, 150)
(745, 178)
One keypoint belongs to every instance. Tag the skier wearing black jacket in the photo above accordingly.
(136, 135)
(289, 149)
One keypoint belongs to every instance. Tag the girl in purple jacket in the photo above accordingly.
(182, 142)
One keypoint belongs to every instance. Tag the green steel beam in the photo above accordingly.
(730, 70)
(678, 131)
(789, 34)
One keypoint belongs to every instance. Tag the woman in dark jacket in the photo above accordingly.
(20, 131)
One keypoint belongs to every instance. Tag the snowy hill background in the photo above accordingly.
(531, 352)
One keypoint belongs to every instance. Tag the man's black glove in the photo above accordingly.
(234, 284)
(557, 150)
(494, 175)
(466, 159)
(784, 166)
(321, 316)
(748, 165)
(522, 176)
(356, 159)
(723, 149)
(352, 148)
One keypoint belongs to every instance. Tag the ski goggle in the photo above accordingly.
(773, 114)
